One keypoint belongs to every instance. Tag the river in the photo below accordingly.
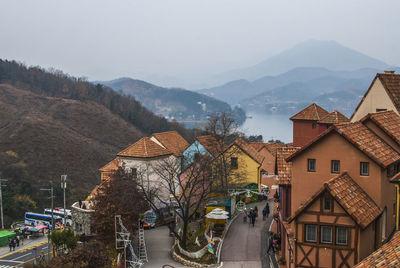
(270, 126)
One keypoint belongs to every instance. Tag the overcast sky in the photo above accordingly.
(108, 39)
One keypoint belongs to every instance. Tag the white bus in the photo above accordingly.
(35, 219)
(60, 213)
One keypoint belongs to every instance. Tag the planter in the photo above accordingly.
(193, 255)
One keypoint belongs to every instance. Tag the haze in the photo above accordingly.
(159, 41)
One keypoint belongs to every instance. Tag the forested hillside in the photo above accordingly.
(53, 124)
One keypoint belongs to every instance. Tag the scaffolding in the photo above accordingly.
(123, 241)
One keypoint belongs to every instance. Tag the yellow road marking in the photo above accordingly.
(24, 249)
(32, 259)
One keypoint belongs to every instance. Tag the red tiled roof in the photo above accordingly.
(351, 197)
(111, 166)
(387, 255)
(391, 83)
(334, 117)
(357, 203)
(312, 112)
(388, 121)
(284, 168)
(172, 141)
(363, 139)
(250, 150)
(145, 148)
(211, 144)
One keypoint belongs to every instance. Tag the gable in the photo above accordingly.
(375, 98)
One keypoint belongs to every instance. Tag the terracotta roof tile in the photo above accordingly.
(357, 203)
(334, 118)
(111, 166)
(172, 141)
(391, 83)
(365, 140)
(312, 112)
(145, 148)
(388, 121)
(387, 255)
(284, 168)
(354, 200)
(211, 144)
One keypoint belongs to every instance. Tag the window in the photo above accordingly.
(311, 165)
(314, 125)
(341, 235)
(311, 233)
(364, 168)
(326, 234)
(380, 110)
(335, 166)
(327, 203)
(234, 163)
(134, 172)
(197, 157)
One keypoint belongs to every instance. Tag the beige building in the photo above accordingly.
(382, 95)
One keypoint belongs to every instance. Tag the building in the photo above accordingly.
(312, 121)
(382, 95)
(203, 145)
(386, 256)
(81, 214)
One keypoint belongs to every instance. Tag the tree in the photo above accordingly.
(118, 195)
(65, 238)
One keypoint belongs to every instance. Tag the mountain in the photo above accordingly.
(172, 103)
(312, 53)
(53, 124)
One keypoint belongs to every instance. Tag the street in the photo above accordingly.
(18, 258)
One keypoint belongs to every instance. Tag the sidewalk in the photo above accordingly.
(28, 244)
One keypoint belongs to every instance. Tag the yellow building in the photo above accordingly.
(396, 181)
(241, 163)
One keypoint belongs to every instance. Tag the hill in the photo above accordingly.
(51, 124)
(172, 103)
(312, 53)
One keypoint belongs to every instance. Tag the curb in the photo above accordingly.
(24, 249)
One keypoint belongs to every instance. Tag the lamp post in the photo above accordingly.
(1, 201)
(64, 186)
(52, 208)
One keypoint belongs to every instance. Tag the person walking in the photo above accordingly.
(264, 213)
(17, 241)
(256, 211)
(253, 217)
(270, 244)
(244, 215)
(267, 209)
(10, 244)
(13, 244)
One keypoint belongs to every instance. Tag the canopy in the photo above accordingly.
(219, 211)
(4, 236)
(40, 227)
(217, 215)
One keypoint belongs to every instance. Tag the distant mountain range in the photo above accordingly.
(315, 71)
(172, 103)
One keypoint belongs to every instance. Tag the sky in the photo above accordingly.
(151, 39)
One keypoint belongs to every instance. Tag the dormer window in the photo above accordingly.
(327, 203)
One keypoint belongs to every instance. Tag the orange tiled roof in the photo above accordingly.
(357, 203)
(211, 144)
(388, 121)
(172, 141)
(145, 148)
(387, 255)
(312, 112)
(284, 168)
(258, 145)
(111, 166)
(334, 117)
(353, 199)
(363, 139)
(250, 150)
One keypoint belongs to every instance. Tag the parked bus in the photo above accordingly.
(35, 219)
(60, 213)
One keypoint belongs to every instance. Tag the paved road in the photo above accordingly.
(244, 244)
(20, 257)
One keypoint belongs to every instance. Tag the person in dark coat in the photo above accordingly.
(10, 244)
(264, 212)
(270, 244)
(17, 241)
(252, 217)
(13, 244)
(267, 208)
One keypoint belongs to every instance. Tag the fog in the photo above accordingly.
(168, 39)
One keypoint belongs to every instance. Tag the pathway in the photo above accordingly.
(244, 244)
(159, 243)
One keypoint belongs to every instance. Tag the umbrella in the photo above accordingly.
(33, 229)
(216, 216)
(218, 210)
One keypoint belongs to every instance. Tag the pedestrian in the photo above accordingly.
(244, 216)
(10, 244)
(256, 211)
(250, 215)
(13, 244)
(253, 217)
(17, 241)
(267, 208)
(264, 213)
(270, 244)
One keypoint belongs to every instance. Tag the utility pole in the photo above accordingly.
(64, 186)
(1, 201)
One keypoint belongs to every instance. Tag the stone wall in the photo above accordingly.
(81, 220)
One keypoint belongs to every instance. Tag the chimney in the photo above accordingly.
(389, 72)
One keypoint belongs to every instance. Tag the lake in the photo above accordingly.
(270, 126)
